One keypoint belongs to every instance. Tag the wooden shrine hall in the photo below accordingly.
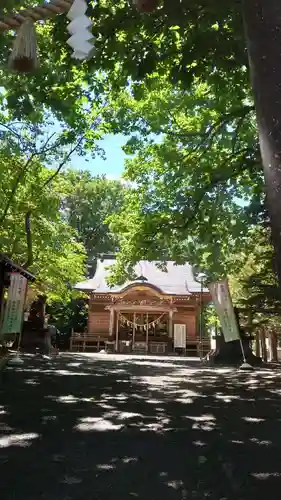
(157, 312)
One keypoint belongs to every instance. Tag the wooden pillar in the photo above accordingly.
(134, 330)
(146, 332)
(258, 347)
(170, 326)
(263, 346)
(117, 328)
(111, 322)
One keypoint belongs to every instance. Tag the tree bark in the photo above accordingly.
(263, 346)
(29, 261)
(258, 350)
(262, 20)
(273, 347)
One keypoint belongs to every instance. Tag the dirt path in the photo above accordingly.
(105, 428)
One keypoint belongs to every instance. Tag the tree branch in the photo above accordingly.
(214, 182)
(15, 187)
(28, 240)
(63, 162)
(68, 155)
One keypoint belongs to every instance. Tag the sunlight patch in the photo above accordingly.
(253, 420)
(154, 401)
(106, 406)
(176, 484)
(105, 467)
(226, 398)
(203, 422)
(199, 443)
(202, 418)
(47, 418)
(129, 460)
(70, 399)
(18, 440)
(265, 475)
(97, 424)
(31, 381)
(53, 371)
(122, 415)
(186, 401)
(261, 442)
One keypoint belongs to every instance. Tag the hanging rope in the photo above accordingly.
(126, 321)
(24, 54)
(39, 13)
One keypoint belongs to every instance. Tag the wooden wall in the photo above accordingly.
(186, 317)
(98, 319)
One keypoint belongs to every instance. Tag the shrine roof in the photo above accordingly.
(11, 266)
(177, 280)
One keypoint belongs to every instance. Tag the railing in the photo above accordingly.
(98, 341)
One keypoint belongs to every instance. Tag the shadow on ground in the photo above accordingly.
(103, 428)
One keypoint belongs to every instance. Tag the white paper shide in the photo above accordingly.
(81, 40)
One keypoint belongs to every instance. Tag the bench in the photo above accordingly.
(83, 341)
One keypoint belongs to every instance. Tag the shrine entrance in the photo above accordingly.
(142, 329)
(145, 331)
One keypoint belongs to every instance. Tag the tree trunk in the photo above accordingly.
(263, 34)
(2, 279)
(273, 347)
(263, 346)
(258, 350)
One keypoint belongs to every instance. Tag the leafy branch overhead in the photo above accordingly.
(195, 181)
(176, 83)
(37, 213)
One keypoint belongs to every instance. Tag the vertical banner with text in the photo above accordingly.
(224, 308)
(13, 315)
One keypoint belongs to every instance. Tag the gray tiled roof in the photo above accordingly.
(178, 280)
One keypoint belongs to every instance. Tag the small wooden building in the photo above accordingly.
(7, 269)
(155, 313)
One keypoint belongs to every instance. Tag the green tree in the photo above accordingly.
(255, 286)
(90, 203)
(183, 40)
(198, 186)
(33, 231)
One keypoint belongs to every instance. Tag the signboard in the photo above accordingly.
(13, 314)
(180, 336)
(223, 304)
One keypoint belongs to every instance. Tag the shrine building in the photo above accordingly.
(157, 312)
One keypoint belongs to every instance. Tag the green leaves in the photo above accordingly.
(87, 207)
(195, 158)
(58, 257)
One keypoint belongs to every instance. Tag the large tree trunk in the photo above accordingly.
(273, 347)
(263, 346)
(258, 348)
(262, 20)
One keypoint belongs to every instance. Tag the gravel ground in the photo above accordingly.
(101, 427)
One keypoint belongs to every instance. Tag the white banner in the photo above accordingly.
(223, 304)
(13, 315)
(180, 336)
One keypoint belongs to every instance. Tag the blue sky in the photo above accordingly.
(113, 166)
